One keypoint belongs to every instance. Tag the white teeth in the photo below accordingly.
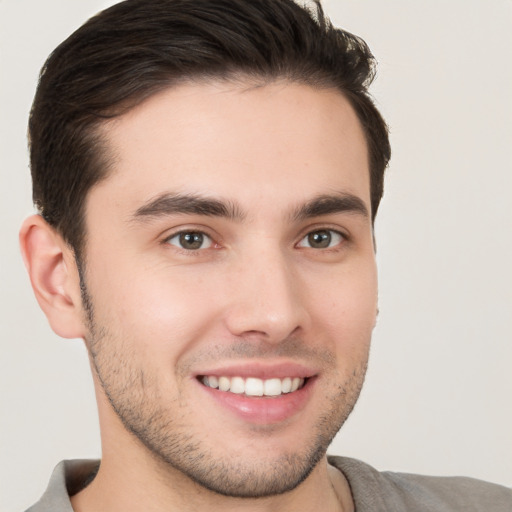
(224, 383)
(272, 387)
(253, 386)
(286, 385)
(237, 385)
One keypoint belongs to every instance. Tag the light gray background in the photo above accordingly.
(438, 393)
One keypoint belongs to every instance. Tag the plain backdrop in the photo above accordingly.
(438, 396)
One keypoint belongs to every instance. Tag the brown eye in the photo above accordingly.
(191, 240)
(321, 239)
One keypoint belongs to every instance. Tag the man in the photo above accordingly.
(207, 175)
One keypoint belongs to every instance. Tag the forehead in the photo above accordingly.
(281, 141)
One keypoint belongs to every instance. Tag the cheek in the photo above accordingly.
(152, 309)
(347, 311)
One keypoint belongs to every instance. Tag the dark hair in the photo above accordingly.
(136, 48)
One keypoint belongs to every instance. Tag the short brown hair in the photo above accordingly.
(136, 48)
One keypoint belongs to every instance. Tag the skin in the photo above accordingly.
(256, 293)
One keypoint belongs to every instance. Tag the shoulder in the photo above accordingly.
(374, 491)
(68, 477)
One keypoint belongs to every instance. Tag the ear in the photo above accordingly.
(54, 276)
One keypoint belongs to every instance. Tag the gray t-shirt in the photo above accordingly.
(372, 491)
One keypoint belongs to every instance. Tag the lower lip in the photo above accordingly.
(263, 410)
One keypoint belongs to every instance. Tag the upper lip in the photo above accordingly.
(260, 370)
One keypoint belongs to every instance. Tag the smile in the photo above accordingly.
(252, 386)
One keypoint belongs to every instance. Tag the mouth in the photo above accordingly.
(259, 394)
(253, 386)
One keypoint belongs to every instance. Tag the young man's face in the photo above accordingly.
(231, 246)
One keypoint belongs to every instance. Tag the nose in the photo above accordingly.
(266, 300)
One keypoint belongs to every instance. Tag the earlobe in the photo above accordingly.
(54, 277)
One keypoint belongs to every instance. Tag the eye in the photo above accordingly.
(322, 239)
(191, 240)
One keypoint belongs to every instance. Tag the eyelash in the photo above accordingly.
(332, 233)
(341, 237)
(190, 232)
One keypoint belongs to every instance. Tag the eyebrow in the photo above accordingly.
(188, 204)
(329, 204)
(192, 204)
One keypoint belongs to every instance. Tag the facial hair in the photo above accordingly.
(163, 425)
